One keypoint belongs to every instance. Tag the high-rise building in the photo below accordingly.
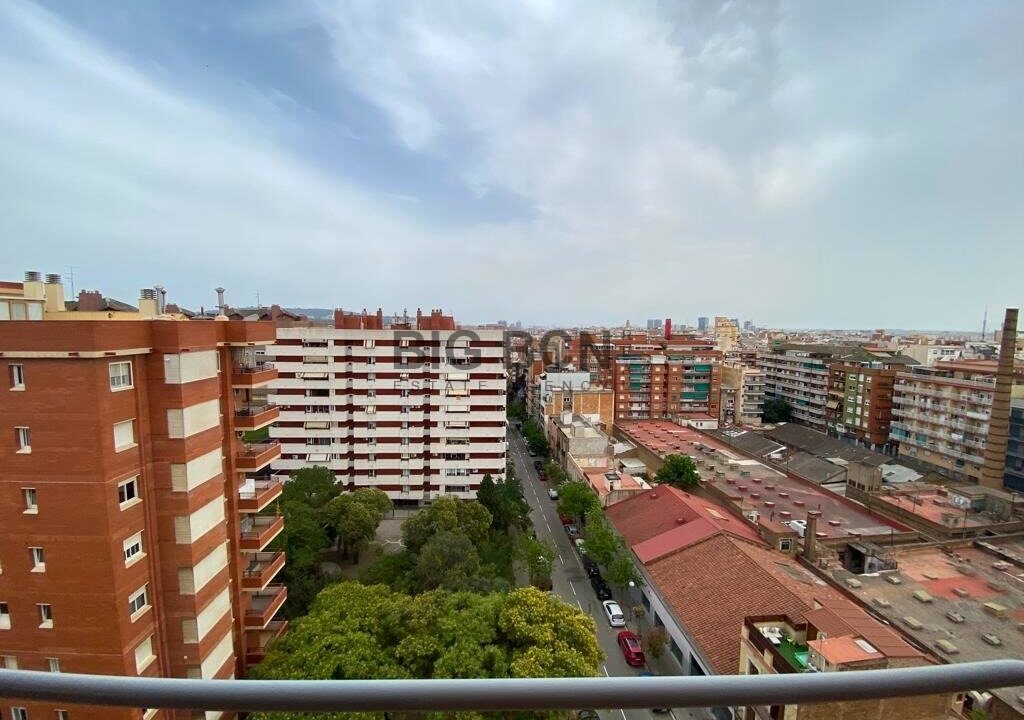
(798, 374)
(941, 414)
(416, 408)
(702, 325)
(133, 527)
(860, 389)
(727, 334)
(744, 388)
(1014, 475)
(682, 379)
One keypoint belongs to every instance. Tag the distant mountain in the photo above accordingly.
(313, 313)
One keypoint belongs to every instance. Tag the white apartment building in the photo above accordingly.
(417, 413)
(798, 374)
(931, 354)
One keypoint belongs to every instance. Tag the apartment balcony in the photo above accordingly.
(255, 496)
(262, 568)
(254, 417)
(251, 457)
(257, 532)
(263, 605)
(253, 375)
(259, 640)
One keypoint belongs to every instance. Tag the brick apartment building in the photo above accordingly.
(129, 537)
(414, 407)
(860, 390)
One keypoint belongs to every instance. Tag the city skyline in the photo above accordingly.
(739, 157)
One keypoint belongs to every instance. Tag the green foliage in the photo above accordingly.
(654, 642)
(601, 542)
(539, 557)
(366, 632)
(516, 411)
(678, 471)
(446, 514)
(576, 499)
(535, 438)
(503, 500)
(448, 561)
(391, 569)
(621, 571)
(776, 410)
(314, 487)
(556, 475)
(354, 523)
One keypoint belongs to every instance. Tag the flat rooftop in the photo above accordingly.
(751, 485)
(935, 507)
(960, 581)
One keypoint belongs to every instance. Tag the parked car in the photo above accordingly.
(542, 476)
(565, 519)
(601, 588)
(614, 613)
(537, 464)
(590, 566)
(553, 493)
(629, 643)
(572, 531)
(655, 709)
(580, 547)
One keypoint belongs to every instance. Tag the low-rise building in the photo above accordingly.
(556, 391)
(929, 354)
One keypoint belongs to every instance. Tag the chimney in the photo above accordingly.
(668, 328)
(161, 298)
(54, 291)
(811, 535)
(220, 300)
(33, 286)
(994, 466)
(147, 303)
(90, 301)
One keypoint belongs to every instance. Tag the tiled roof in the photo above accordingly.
(712, 585)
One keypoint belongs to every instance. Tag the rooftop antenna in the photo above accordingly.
(71, 277)
(984, 322)
(258, 306)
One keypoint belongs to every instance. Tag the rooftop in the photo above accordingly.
(822, 446)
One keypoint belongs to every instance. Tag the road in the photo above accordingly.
(570, 582)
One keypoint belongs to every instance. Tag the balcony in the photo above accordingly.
(262, 568)
(262, 606)
(251, 457)
(257, 532)
(259, 640)
(519, 694)
(254, 375)
(254, 417)
(263, 491)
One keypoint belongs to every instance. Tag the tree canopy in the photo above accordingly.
(360, 631)
(776, 410)
(678, 471)
(576, 499)
(535, 438)
(449, 514)
(504, 501)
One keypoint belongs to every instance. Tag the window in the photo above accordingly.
(31, 506)
(128, 492)
(45, 615)
(19, 713)
(137, 602)
(785, 544)
(53, 664)
(144, 654)
(120, 375)
(5, 616)
(38, 559)
(17, 377)
(133, 549)
(8, 662)
(23, 439)
(124, 435)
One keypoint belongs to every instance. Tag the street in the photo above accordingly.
(570, 582)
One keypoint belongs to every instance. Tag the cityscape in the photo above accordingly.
(556, 361)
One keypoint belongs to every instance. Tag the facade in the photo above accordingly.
(941, 414)
(798, 374)
(667, 386)
(860, 389)
(1014, 478)
(416, 409)
(727, 334)
(556, 391)
(131, 532)
(744, 387)
(926, 354)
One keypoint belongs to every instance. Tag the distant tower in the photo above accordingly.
(984, 323)
(994, 466)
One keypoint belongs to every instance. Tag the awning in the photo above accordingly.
(317, 457)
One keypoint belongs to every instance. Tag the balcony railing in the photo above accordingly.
(508, 694)
(263, 605)
(263, 491)
(256, 456)
(257, 532)
(254, 417)
(253, 374)
(262, 568)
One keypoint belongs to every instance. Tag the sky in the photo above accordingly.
(813, 164)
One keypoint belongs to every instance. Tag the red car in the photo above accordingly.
(542, 476)
(629, 643)
(566, 520)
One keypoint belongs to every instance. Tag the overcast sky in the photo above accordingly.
(821, 164)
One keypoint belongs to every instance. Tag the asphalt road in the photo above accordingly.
(570, 582)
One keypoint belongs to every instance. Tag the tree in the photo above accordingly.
(354, 524)
(447, 561)
(356, 631)
(535, 438)
(556, 475)
(576, 499)
(391, 569)
(504, 501)
(376, 500)
(601, 542)
(314, 486)
(303, 540)
(776, 410)
(450, 514)
(678, 471)
(655, 641)
(620, 570)
(516, 411)
(539, 556)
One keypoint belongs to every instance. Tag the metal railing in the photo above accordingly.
(250, 368)
(508, 694)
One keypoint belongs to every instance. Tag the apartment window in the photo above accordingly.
(137, 602)
(23, 439)
(144, 654)
(371, 393)
(5, 616)
(8, 662)
(128, 492)
(785, 545)
(31, 504)
(120, 375)
(19, 713)
(370, 409)
(124, 435)
(45, 615)
(368, 343)
(17, 377)
(133, 549)
(371, 426)
(38, 558)
(53, 664)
